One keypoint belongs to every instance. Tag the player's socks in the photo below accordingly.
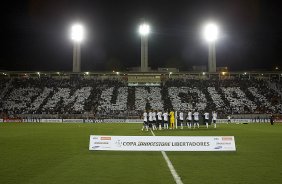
(207, 125)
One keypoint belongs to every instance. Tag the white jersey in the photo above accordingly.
(214, 116)
(165, 115)
(181, 116)
(145, 116)
(154, 116)
(196, 116)
(189, 116)
(206, 115)
(159, 114)
(150, 116)
(228, 117)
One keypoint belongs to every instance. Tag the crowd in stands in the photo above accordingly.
(113, 98)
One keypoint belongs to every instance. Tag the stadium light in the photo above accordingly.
(77, 35)
(210, 33)
(144, 31)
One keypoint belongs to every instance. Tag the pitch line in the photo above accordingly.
(176, 177)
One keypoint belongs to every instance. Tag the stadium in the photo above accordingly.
(143, 124)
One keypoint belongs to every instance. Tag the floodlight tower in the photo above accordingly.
(144, 31)
(77, 35)
(211, 35)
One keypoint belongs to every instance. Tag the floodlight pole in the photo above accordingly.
(212, 57)
(144, 53)
(76, 57)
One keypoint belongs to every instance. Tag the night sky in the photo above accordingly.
(35, 34)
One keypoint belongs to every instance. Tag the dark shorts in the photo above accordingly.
(206, 120)
(145, 122)
(196, 121)
(214, 121)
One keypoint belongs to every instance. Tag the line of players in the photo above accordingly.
(161, 120)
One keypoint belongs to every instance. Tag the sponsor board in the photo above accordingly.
(51, 120)
(242, 121)
(134, 121)
(113, 121)
(278, 120)
(12, 120)
(162, 143)
(72, 120)
(1, 120)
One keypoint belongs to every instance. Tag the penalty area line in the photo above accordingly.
(172, 170)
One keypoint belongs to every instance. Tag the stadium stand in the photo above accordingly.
(76, 97)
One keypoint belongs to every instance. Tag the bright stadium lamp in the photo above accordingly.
(77, 35)
(210, 33)
(77, 32)
(144, 31)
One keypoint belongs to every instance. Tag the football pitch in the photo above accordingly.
(58, 153)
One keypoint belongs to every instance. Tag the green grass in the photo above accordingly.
(58, 153)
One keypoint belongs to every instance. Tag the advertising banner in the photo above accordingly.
(12, 120)
(51, 120)
(162, 143)
(72, 120)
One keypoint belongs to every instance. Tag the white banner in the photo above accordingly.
(134, 121)
(1, 120)
(51, 120)
(262, 120)
(162, 143)
(72, 120)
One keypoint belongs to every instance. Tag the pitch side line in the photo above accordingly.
(176, 177)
